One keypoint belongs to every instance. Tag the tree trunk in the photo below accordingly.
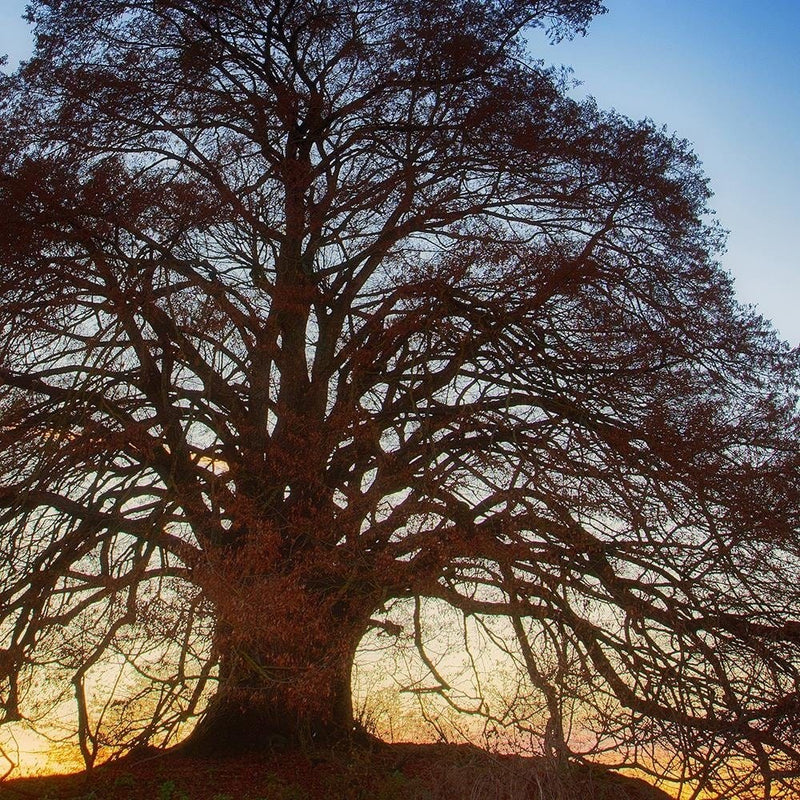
(282, 690)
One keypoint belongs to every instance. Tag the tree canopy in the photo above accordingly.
(310, 306)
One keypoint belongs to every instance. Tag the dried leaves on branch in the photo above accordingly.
(309, 307)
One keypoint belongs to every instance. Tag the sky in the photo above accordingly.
(723, 74)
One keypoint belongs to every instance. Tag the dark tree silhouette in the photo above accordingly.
(308, 305)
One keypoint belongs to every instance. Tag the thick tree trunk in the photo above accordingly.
(240, 719)
(274, 695)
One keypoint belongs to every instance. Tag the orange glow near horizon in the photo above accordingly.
(26, 753)
(37, 756)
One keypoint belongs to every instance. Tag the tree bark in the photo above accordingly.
(271, 696)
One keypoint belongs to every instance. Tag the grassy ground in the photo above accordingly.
(390, 772)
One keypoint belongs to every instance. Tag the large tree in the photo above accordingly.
(309, 305)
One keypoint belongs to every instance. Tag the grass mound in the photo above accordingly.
(379, 772)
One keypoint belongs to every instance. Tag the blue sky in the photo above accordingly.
(723, 74)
